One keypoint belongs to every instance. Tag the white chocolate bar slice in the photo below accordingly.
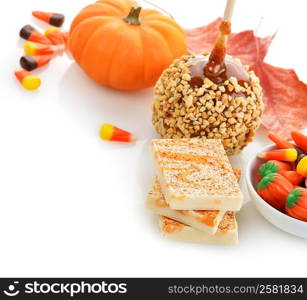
(195, 174)
(226, 234)
(203, 220)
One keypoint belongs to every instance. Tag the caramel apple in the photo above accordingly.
(211, 95)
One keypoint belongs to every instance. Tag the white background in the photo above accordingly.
(73, 205)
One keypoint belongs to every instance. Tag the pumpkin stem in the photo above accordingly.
(133, 17)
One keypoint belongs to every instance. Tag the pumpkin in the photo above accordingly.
(293, 177)
(296, 204)
(274, 189)
(273, 166)
(121, 45)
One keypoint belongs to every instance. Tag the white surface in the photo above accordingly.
(73, 205)
(277, 218)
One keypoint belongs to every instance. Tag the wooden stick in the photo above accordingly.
(229, 10)
(217, 56)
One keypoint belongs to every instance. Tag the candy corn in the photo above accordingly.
(28, 80)
(29, 33)
(280, 154)
(34, 49)
(279, 142)
(300, 140)
(301, 167)
(293, 177)
(55, 36)
(30, 63)
(109, 132)
(53, 19)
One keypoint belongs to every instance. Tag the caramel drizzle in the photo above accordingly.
(216, 69)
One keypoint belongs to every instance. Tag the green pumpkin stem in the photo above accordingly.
(133, 17)
(293, 198)
(266, 181)
(268, 168)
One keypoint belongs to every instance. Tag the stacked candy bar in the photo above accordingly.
(195, 191)
(40, 48)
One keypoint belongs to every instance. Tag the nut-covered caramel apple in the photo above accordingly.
(212, 96)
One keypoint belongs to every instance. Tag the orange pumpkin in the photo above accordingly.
(296, 204)
(274, 189)
(120, 45)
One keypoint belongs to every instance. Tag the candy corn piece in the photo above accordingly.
(55, 36)
(279, 142)
(30, 63)
(280, 154)
(300, 140)
(53, 19)
(29, 33)
(109, 132)
(34, 49)
(28, 80)
(301, 167)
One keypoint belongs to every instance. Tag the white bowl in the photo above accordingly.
(277, 218)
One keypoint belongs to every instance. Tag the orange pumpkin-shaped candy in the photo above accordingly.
(293, 177)
(296, 204)
(272, 166)
(120, 45)
(274, 189)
